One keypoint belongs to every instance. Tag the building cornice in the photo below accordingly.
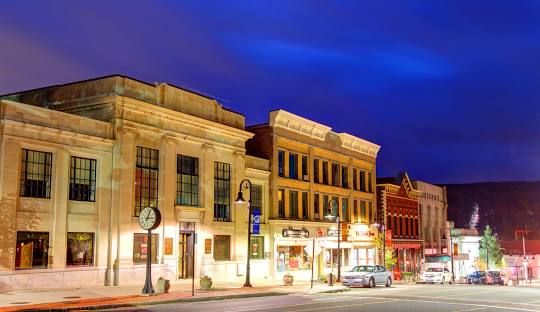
(359, 145)
(291, 122)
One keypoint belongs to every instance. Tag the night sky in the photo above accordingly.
(449, 89)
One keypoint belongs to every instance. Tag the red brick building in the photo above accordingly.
(397, 204)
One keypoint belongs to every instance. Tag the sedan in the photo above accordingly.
(367, 275)
(477, 277)
(494, 278)
(437, 275)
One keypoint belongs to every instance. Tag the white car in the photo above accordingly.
(437, 275)
(366, 275)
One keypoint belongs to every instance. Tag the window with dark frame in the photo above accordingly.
(305, 168)
(304, 205)
(335, 174)
(316, 171)
(293, 166)
(369, 186)
(345, 209)
(36, 168)
(316, 207)
(355, 211)
(362, 180)
(293, 204)
(344, 177)
(325, 172)
(335, 207)
(281, 203)
(146, 179)
(222, 248)
(281, 163)
(355, 179)
(82, 179)
(80, 249)
(371, 212)
(187, 180)
(32, 250)
(222, 191)
(363, 212)
(325, 206)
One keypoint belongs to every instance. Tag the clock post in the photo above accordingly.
(148, 289)
(149, 219)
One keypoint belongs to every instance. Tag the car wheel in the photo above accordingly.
(371, 283)
(388, 282)
(442, 281)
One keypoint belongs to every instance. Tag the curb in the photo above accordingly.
(333, 291)
(148, 303)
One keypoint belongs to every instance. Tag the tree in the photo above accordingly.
(490, 249)
(391, 259)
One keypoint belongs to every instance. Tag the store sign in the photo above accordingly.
(256, 221)
(388, 238)
(344, 231)
(292, 233)
(331, 232)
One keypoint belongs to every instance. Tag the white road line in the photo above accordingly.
(463, 310)
(281, 306)
(343, 306)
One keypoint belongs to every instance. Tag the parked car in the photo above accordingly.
(494, 278)
(367, 275)
(437, 275)
(477, 277)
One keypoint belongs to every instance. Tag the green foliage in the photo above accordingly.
(391, 259)
(490, 249)
(407, 276)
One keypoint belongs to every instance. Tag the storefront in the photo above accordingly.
(363, 250)
(408, 254)
(291, 251)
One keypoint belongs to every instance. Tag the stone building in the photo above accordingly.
(397, 201)
(316, 175)
(433, 207)
(79, 161)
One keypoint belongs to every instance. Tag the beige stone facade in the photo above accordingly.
(310, 166)
(134, 136)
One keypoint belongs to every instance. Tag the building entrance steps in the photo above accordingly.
(102, 297)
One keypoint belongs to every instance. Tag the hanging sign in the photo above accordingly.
(256, 222)
(290, 232)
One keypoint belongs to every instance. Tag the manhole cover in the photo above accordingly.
(20, 302)
(72, 297)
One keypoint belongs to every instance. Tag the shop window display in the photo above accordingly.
(32, 250)
(292, 258)
(80, 248)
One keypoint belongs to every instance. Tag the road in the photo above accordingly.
(417, 298)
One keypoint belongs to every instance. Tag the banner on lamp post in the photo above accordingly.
(256, 221)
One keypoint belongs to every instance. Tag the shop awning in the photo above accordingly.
(437, 259)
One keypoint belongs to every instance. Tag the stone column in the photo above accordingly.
(59, 199)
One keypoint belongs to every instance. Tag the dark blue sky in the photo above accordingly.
(450, 90)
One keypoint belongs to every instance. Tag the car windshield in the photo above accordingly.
(495, 273)
(362, 268)
(434, 270)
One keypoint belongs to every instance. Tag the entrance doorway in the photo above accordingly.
(185, 255)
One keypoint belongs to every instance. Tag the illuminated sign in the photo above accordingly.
(292, 233)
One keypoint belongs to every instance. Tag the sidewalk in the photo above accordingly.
(101, 297)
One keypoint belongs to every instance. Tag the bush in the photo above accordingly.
(407, 276)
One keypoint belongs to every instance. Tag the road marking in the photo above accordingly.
(343, 306)
(463, 310)
(289, 305)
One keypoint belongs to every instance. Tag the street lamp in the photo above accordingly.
(244, 185)
(330, 216)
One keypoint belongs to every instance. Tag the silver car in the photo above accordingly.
(367, 275)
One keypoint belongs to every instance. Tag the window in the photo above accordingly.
(355, 179)
(362, 181)
(146, 178)
(371, 211)
(187, 180)
(335, 207)
(281, 203)
(369, 188)
(325, 172)
(222, 191)
(256, 197)
(363, 212)
(292, 258)
(281, 163)
(345, 177)
(222, 247)
(257, 247)
(316, 171)
(32, 250)
(304, 205)
(140, 247)
(36, 170)
(80, 248)
(335, 174)
(326, 211)
(82, 179)
(293, 166)
(316, 207)
(293, 204)
(355, 211)
(345, 209)
(305, 168)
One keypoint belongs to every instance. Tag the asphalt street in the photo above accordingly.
(417, 298)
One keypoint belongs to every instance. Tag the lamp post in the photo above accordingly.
(244, 185)
(330, 216)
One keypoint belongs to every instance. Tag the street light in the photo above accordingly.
(330, 216)
(244, 185)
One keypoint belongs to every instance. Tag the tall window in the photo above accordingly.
(257, 247)
(80, 248)
(187, 180)
(335, 174)
(222, 247)
(325, 206)
(35, 174)
(363, 212)
(293, 166)
(304, 205)
(293, 204)
(146, 178)
(362, 181)
(316, 171)
(355, 211)
(281, 203)
(345, 177)
(32, 251)
(335, 207)
(281, 163)
(355, 179)
(325, 172)
(369, 187)
(345, 209)
(256, 197)
(371, 213)
(316, 207)
(140, 247)
(82, 179)
(222, 191)
(305, 168)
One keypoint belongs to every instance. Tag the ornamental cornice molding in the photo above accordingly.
(359, 145)
(294, 123)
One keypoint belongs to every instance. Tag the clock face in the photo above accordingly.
(149, 218)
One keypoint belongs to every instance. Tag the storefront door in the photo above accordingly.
(185, 255)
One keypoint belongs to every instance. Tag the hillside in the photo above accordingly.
(503, 205)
